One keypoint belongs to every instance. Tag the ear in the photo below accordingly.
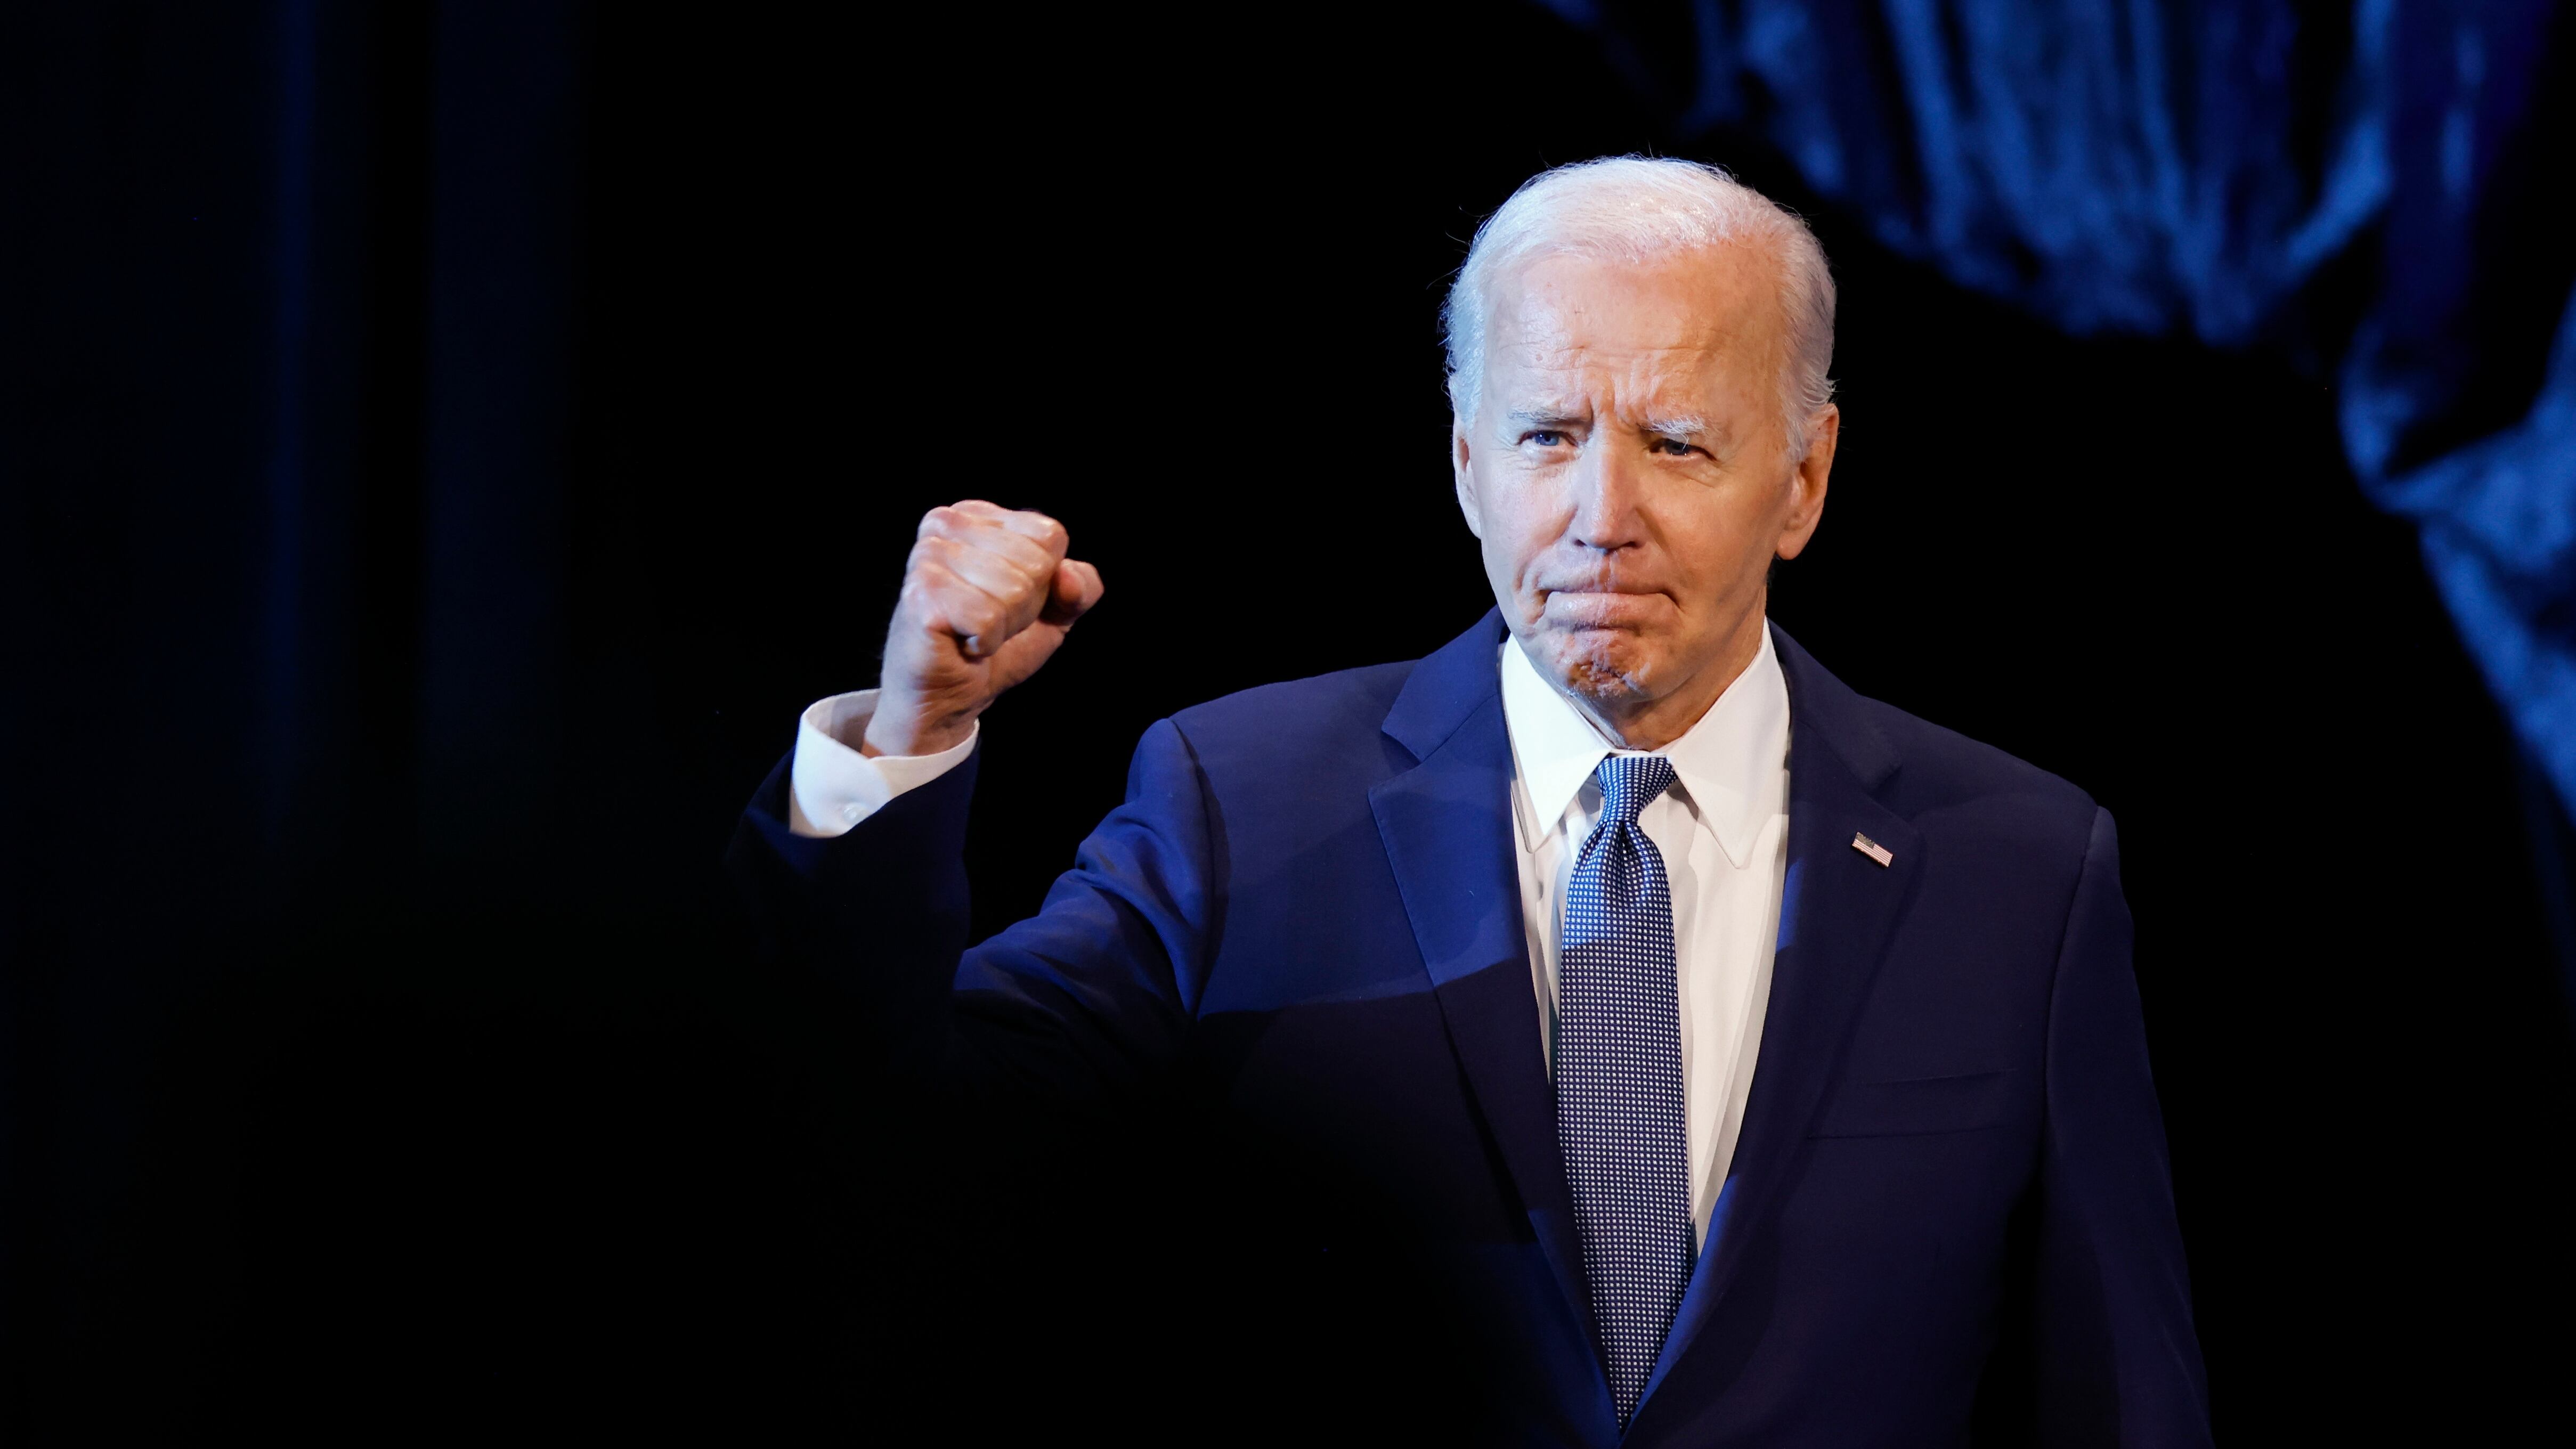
(1807, 485)
(1463, 475)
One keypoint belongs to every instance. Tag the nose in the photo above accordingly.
(1609, 485)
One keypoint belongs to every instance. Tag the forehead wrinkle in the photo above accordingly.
(1642, 404)
(1551, 331)
(1661, 389)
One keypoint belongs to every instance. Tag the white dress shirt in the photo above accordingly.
(1723, 830)
(832, 787)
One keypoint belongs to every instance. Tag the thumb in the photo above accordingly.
(1076, 589)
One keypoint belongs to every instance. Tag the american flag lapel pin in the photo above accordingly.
(1873, 849)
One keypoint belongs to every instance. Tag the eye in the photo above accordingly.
(1671, 447)
(1544, 437)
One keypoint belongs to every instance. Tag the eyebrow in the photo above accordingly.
(1560, 415)
(1678, 426)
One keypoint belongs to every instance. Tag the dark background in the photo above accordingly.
(447, 444)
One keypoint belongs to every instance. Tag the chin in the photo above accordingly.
(1606, 666)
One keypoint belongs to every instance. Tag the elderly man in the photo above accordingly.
(1760, 1057)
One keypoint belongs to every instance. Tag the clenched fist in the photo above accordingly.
(987, 597)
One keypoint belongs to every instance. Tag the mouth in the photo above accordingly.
(1603, 608)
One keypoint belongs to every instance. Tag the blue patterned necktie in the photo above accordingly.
(1619, 1079)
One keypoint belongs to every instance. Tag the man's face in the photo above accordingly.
(1628, 475)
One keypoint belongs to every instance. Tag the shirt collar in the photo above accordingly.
(1733, 763)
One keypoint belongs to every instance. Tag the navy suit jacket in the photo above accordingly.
(1309, 899)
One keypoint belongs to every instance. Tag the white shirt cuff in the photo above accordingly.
(832, 787)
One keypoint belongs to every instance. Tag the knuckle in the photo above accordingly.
(1024, 579)
(938, 581)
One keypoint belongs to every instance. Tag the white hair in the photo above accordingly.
(1635, 209)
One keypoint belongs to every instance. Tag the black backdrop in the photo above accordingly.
(448, 443)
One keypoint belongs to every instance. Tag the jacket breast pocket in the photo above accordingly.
(1919, 1105)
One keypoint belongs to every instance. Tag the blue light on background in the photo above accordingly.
(2196, 168)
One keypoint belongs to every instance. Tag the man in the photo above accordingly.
(1757, 1055)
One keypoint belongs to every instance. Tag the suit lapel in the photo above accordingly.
(1446, 824)
(1838, 910)
(1447, 827)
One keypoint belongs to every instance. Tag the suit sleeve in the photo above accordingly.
(1090, 996)
(2118, 1361)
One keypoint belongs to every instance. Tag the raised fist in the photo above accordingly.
(987, 596)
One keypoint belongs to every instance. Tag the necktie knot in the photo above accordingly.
(1628, 782)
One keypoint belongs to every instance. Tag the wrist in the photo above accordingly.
(907, 727)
